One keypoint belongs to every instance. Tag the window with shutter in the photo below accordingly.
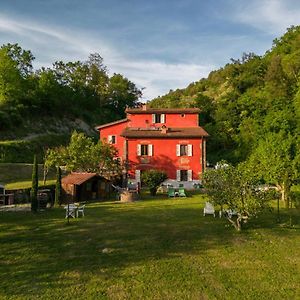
(183, 150)
(153, 118)
(178, 173)
(190, 150)
(177, 150)
(190, 175)
(183, 175)
(144, 150)
(139, 152)
(112, 139)
(150, 150)
(158, 118)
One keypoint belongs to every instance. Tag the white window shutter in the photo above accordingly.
(190, 150)
(190, 175)
(178, 150)
(178, 175)
(153, 118)
(150, 150)
(162, 118)
(138, 175)
(138, 150)
(109, 139)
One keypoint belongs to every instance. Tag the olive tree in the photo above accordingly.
(237, 189)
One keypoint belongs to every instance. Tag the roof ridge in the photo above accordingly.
(111, 123)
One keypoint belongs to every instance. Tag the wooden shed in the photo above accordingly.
(78, 187)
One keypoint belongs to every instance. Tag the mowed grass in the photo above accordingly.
(152, 249)
(18, 175)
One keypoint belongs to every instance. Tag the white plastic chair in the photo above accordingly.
(209, 209)
(80, 210)
(71, 212)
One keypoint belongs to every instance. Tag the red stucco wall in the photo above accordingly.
(171, 120)
(164, 156)
(115, 130)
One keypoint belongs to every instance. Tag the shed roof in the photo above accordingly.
(78, 178)
(188, 132)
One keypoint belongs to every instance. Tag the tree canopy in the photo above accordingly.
(81, 89)
(247, 99)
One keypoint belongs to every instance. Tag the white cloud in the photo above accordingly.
(51, 43)
(159, 77)
(270, 16)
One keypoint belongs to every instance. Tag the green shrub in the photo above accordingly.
(295, 196)
(153, 178)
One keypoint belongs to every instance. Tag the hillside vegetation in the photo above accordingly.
(247, 100)
(40, 109)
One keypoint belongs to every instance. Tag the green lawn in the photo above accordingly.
(152, 249)
(18, 175)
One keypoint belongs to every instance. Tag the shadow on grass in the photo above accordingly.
(40, 252)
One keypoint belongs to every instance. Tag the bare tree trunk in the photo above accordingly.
(237, 225)
(285, 191)
(45, 175)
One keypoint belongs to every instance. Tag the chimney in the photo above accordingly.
(164, 129)
(144, 106)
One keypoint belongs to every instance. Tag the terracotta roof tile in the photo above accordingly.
(78, 178)
(188, 132)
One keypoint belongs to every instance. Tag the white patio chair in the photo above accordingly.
(80, 209)
(209, 209)
(71, 212)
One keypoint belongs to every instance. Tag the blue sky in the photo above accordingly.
(159, 45)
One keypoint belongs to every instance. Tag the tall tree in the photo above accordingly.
(34, 186)
(23, 58)
(57, 201)
(10, 79)
(236, 188)
(275, 160)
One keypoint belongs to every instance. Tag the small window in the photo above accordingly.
(112, 139)
(144, 149)
(182, 115)
(158, 118)
(183, 150)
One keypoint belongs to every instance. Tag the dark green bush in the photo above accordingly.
(153, 178)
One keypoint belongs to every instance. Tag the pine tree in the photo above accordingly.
(58, 187)
(34, 188)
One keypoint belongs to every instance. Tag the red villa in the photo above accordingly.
(164, 139)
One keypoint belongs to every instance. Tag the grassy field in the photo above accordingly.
(151, 249)
(18, 175)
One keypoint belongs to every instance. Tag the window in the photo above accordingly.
(145, 150)
(112, 139)
(158, 118)
(184, 150)
(184, 175)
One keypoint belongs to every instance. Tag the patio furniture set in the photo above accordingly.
(210, 210)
